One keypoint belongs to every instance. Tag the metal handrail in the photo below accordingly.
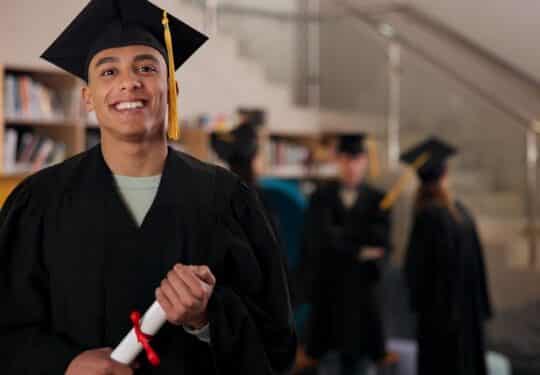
(374, 16)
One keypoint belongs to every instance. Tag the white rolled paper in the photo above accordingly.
(152, 320)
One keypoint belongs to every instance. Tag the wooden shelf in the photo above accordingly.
(298, 171)
(15, 175)
(64, 90)
(51, 77)
(33, 122)
(293, 133)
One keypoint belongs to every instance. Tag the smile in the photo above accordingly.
(129, 105)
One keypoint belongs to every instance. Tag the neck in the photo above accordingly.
(136, 159)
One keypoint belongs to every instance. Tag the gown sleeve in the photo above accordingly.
(487, 308)
(28, 343)
(251, 323)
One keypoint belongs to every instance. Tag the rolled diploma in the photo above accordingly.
(129, 348)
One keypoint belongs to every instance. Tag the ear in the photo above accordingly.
(87, 98)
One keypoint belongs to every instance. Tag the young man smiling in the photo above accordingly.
(86, 242)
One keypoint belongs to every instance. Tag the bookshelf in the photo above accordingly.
(299, 156)
(41, 121)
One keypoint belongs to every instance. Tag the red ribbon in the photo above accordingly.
(144, 339)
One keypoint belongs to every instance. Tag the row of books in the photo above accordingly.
(27, 98)
(285, 153)
(26, 151)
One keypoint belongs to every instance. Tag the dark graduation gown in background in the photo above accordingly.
(343, 291)
(73, 264)
(448, 288)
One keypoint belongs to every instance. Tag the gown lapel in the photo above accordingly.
(137, 259)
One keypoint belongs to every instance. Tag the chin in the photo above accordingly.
(132, 133)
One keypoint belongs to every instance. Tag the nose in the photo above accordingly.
(130, 82)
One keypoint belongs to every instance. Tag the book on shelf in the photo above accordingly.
(28, 99)
(281, 152)
(27, 152)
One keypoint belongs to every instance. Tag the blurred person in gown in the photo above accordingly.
(347, 241)
(445, 271)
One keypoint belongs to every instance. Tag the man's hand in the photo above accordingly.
(184, 295)
(369, 253)
(97, 362)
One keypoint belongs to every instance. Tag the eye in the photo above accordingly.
(147, 69)
(108, 73)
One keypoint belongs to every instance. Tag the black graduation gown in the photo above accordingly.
(346, 312)
(446, 276)
(74, 263)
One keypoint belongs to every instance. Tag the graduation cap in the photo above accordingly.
(104, 24)
(254, 116)
(428, 159)
(436, 154)
(241, 144)
(351, 144)
(357, 143)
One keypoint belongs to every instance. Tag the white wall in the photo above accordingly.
(506, 27)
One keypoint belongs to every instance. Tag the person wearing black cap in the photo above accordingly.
(86, 242)
(445, 271)
(346, 240)
(239, 148)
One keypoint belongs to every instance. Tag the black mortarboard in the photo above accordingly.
(241, 144)
(434, 153)
(427, 159)
(351, 144)
(104, 24)
(254, 116)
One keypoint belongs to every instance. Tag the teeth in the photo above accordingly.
(129, 105)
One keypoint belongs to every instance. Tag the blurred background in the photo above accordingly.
(467, 71)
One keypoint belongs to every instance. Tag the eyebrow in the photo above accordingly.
(106, 60)
(112, 59)
(146, 57)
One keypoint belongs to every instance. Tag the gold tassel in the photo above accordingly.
(173, 130)
(374, 165)
(392, 195)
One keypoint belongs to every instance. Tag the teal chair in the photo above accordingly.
(288, 203)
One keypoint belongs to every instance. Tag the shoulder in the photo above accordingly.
(54, 180)
(211, 182)
(203, 171)
(463, 210)
(324, 192)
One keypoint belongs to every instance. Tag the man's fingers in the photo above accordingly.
(370, 253)
(164, 301)
(179, 285)
(118, 368)
(204, 273)
(168, 290)
(195, 286)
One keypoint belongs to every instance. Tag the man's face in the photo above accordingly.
(352, 168)
(127, 88)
